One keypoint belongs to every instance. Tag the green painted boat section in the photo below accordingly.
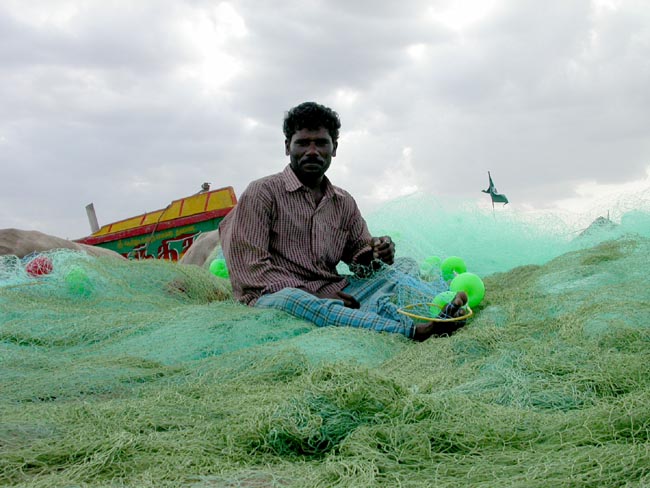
(168, 244)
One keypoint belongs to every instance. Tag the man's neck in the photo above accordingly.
(315, 187)
(317, 184)
(317, 193)
(312, 184)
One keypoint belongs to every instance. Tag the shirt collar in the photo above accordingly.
(292, 183)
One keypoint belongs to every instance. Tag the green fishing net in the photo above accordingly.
(133, 374)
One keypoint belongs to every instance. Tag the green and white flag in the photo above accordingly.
(496, 196)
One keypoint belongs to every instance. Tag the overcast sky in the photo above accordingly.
(131, 104)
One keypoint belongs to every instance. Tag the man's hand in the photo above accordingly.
(383, 249)
(348, 300)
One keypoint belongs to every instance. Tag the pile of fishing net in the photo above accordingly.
(117, 373)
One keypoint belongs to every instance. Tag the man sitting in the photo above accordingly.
(289, 231)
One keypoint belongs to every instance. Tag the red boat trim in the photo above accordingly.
(148, 229)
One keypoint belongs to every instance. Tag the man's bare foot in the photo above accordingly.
(438, 329)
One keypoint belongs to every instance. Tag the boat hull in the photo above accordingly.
(167, 233)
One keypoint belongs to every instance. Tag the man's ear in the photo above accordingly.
(286, 147)
(336, 144)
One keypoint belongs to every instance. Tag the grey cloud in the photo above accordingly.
(294, 54)
(544, 97)
(511, 106)
(102, 37)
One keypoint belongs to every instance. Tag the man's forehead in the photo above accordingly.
(306, 133)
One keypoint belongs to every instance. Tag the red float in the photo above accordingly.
(39, 266)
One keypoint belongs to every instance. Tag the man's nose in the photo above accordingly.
(312, 148)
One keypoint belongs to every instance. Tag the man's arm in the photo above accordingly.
(380, 250)
(245, 244)
(364, 253)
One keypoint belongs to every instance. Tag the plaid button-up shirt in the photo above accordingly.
(277, 237)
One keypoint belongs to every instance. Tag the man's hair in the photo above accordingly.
(312, 116)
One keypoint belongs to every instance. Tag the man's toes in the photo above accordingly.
(460, 299)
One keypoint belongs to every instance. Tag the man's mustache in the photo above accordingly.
(312, 160)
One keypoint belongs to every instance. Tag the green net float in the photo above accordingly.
(470, 284)
(451, 267)
(78, 282)
(433, 260)
(218, 268)
(440, 301)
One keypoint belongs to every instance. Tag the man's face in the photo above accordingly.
(310, 154)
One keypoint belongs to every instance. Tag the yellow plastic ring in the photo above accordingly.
(405, 311)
